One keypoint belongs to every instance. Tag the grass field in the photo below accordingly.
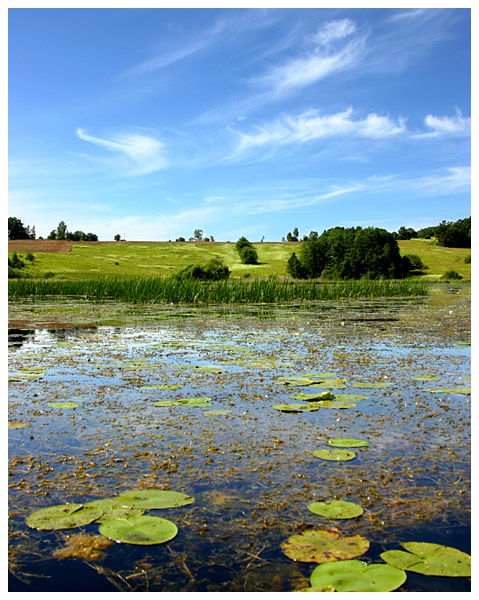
(76, 261)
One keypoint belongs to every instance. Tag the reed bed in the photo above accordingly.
(168, 289)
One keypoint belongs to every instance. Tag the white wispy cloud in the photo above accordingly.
(137, 154)
(447, 126)
(311, 125)
(324, 53)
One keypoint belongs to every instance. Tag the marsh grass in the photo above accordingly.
(152, 290)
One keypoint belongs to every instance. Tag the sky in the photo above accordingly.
(154, 122)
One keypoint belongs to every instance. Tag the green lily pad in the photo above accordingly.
(357, 576)
(313, 397)
(370, 385)
(217, 413)
(334, 455)
(18, 425)
(295, 408)
(320, 546)
(336, 509)
(184, 402)
(154, 499)
(63, 516)
(162, 386)
(350, 397)
(63, 404)
(293, 380)
(319, 375)
(466, 391)
(430, 559)
(140, 530)
(112, 509)
(347, 443)
(424, 377)
(335, 384)
(333, 404)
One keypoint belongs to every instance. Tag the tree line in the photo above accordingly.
(451, 234)
(18, 231)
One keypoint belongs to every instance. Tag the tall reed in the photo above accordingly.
(168, 289)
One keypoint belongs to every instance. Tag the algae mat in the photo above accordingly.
(116, 398)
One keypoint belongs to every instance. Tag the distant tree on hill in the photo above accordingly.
(246, 251)
(62, 233)
(349, 253)
(117, 237)
(454, 234)
(18, 231)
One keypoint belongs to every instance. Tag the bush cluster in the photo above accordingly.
(246, 251)
(214, 270)
(351, 253)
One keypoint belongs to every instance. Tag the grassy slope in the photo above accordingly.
(164, 258)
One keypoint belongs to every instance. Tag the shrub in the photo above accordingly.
(214, 270)
(415, 263)
(451, 275)
(467, 260)
(248, 255)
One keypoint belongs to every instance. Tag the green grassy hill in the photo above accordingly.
(85, 260)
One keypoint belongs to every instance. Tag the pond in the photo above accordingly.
(221, 404)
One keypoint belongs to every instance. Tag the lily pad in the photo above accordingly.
(313, 397)
(140, 530)
(370, 385)
(466, 391)
(184, 402)
(335, 384)
(424, 377)
(154, 499)
(217, 413)
(295, 408)
(350, 397)
(63, 404)
(430, 559)
(357, 576)
(63, 516)
(162, 386)
(347, 443)
(333, 404)
(294, 380)
(336, 509)
(334, 455)
(112, 509)
(320, 546)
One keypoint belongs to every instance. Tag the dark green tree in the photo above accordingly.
(295, 268)
(18, 231)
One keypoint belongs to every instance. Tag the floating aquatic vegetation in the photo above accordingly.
(430, 559)
(139, 530)
(18, 425)
(350, 397)
(216, 413)
(336, 509)
(63, 404)
(356, 576)
(335, 384)
(347, 443)
(313, 397)
(153, 499)
(319, 375)
(334, 404)
(112, 509)
(334, 455)
(81, 545)
(466, 391)
(162, 386)
(294, 381)
(424, 377)
(184, 402)
(370, 385)
(295, 408)
(63, 516)
(322, 546)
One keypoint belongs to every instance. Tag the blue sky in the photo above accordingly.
(152, 123)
